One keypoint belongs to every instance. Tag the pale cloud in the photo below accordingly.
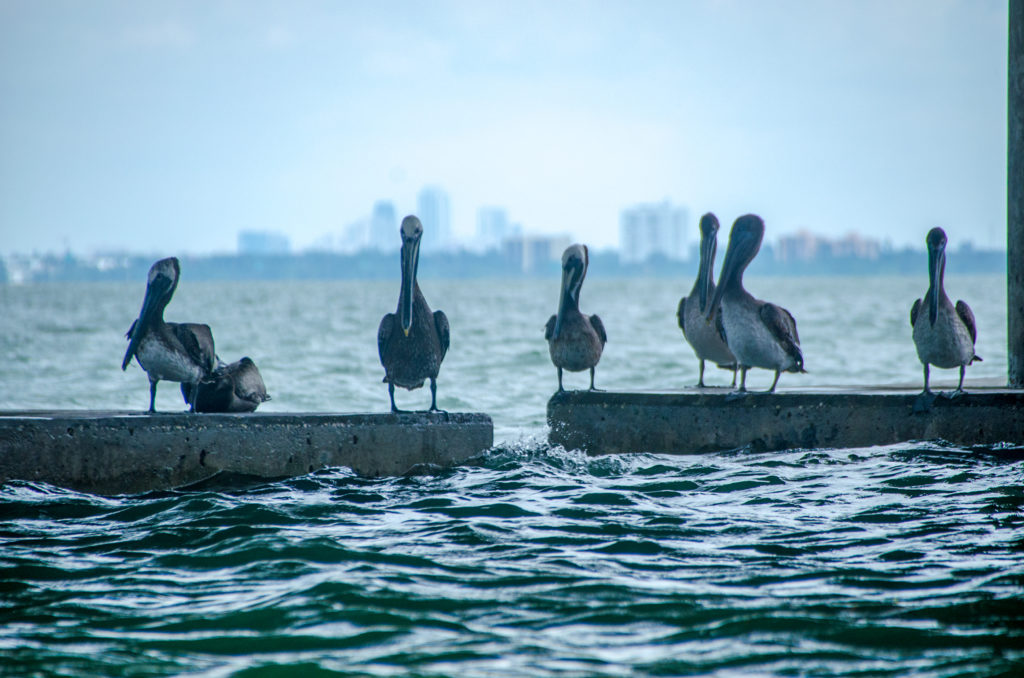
(280, 37)
(877, 116)
(404, 56)
(165, 33)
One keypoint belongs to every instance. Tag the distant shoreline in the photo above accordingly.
(374, 265)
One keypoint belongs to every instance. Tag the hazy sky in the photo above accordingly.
(165, 127)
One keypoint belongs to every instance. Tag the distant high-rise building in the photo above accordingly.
(434, 210)
(356, 236)
(650, 229)
(532, 253)
(800, 246)
(856, 245)
(263, 242)
(492, 227)
(806, 246)
(384, 227)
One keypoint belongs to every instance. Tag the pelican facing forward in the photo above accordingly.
(707, 339)
(945, 335)
(237, 387)
(575, 340)
(413, 341)
(759, 333)
(180, 352)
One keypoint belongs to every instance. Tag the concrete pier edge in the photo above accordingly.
(706, 420)
(126, 453)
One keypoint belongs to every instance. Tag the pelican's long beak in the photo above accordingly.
(565, 294)
(410, 262)
(155, 292)
(572, 274)
(707, 261)
(936, 264)
(715, 301)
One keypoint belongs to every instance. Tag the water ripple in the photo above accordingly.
(535, 560)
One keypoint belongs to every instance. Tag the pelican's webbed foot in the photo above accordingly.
(433, 398)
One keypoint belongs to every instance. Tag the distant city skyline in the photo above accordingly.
(520, 255)
(646, 230)
(171, 127)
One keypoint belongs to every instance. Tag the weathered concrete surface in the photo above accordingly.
(709, 419)
(1015, 195)
(122, 452)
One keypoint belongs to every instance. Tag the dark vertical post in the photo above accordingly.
(1015, 196)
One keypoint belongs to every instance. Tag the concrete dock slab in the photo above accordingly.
(125, 452)
(704, 420)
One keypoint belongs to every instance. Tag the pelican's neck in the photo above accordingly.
(568, 302)
(734, 282)
(571, 287)
(156, 318)
(707, 269)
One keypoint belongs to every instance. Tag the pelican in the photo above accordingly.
(759, 333)
(180, 352)
(575, 340)
(707, 340)
(412, 342)
(945, 336)
(237, 387)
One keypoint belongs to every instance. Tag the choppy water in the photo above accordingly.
(902, 560)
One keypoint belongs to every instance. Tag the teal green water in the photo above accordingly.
(889, 561)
